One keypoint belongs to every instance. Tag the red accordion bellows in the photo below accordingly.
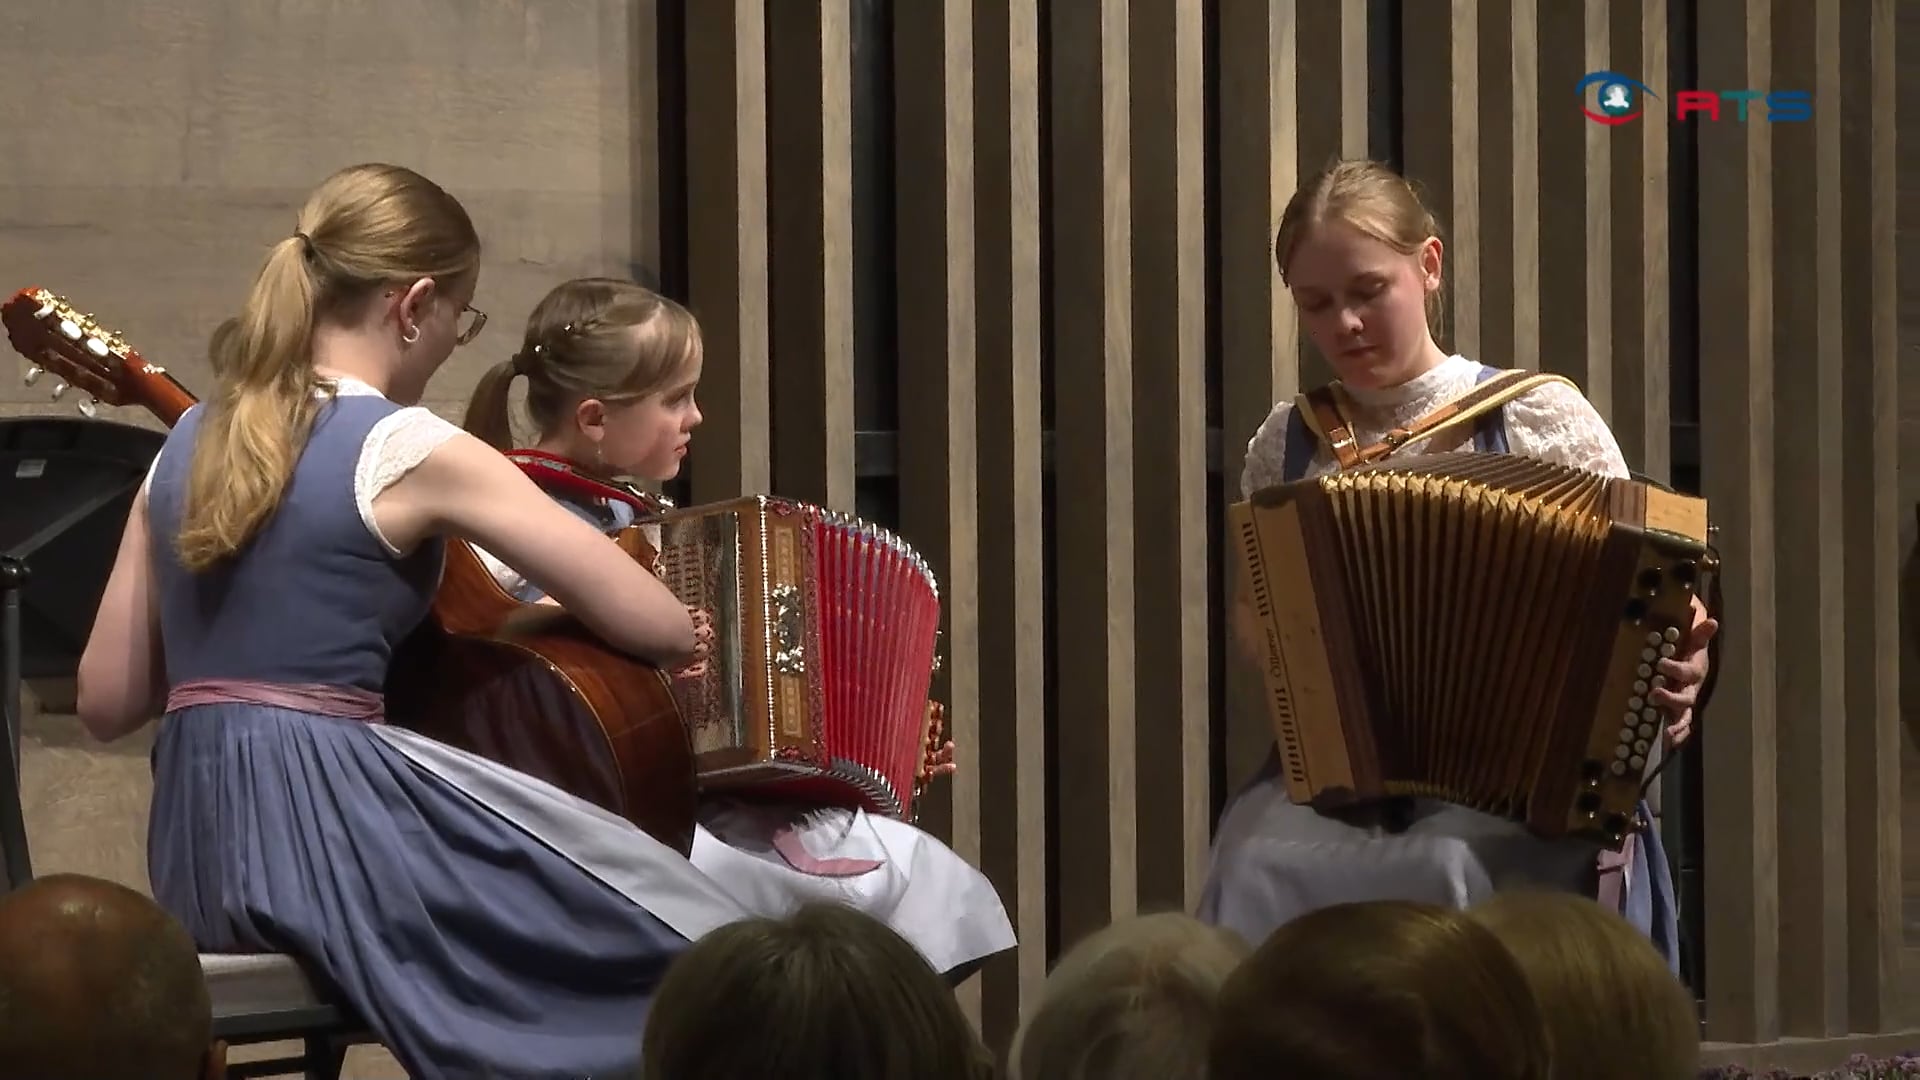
(825, 633)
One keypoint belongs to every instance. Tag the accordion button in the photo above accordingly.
(1673, 633)
(1636, 703)
(1637, 763)
(1622, 752)
(1618, 768)
(1659, 681)
(1649, 655)
(1645, 671)
(1639, 686)
(1640, 747)
(1649, 714)
(1646, 731)
(1626, 735)
(1653, 637)
(1667, 650)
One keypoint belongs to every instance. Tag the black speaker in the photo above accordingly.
(66, 486)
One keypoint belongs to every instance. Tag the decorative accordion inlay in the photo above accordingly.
(1479, 628)
(825, 633)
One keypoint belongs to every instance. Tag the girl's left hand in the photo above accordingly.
(1685, 671)
(939, 760)
(702, 645)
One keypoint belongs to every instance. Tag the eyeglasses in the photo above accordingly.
(472, 328)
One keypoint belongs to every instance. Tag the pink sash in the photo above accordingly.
(345, 702)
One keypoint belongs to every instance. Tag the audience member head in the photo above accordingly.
(826, 991)
(611, 370)
(378, 275)
(97, 981)
(1362, 256)
(1611, 1005)
(1379, 991)
(1132, 1002)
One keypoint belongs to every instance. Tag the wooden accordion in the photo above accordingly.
(1478, 628)
(825, 632)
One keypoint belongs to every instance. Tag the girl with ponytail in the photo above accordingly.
(290, 534)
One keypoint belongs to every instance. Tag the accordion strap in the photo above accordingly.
(1323, 409)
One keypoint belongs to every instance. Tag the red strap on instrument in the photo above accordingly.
(559, 472)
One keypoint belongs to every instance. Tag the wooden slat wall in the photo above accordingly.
(1170, 468)
(811, 228)
(1869, 444)
(934, 261)
(1258, 333)
(1808, 483)
(1740, 796)
(726, 184)
(1077, 130)
(1012, 754)
(1093, 462)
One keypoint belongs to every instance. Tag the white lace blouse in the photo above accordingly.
(1553, 423)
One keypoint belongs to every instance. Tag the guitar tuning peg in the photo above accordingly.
(89, 407)
(70, 328)
(59, 387)
(33, 374)
(97, 347)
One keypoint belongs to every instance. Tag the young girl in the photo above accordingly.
(289, 535)
(1362, 258)
(611, 370)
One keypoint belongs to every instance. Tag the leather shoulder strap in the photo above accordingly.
(1466, 409)
(1321, 409)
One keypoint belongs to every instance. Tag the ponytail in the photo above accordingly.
(256, 426)
(487, 416)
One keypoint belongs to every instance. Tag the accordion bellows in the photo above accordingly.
(825, 634)
(1478, 628)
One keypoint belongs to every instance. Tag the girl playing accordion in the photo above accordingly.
(611, 371)
(1361, 255)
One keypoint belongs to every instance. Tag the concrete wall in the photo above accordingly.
(152, 152)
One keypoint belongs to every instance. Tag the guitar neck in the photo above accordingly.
(166, 398)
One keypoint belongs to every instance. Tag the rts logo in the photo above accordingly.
(1610, 98)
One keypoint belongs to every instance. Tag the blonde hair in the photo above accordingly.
(1390, 988)
(1612, 1006)
(591, 337)
(1370, 198)
(826, 991)
(1132, 1002)
(364, 226)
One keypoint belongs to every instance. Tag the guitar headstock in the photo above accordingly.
(58, 338)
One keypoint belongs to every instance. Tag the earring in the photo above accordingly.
(411, 336)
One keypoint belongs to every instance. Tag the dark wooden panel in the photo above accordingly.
(1737, 415)
(1808, 484)
(726, 194)
(1575, 278)
(1442, 140)
(1641, 413)
(1170, 471)
(811, 224)
(1872, 514)
(1259, 332)
(1012, 750)
(1092, 212)
(934, 267)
